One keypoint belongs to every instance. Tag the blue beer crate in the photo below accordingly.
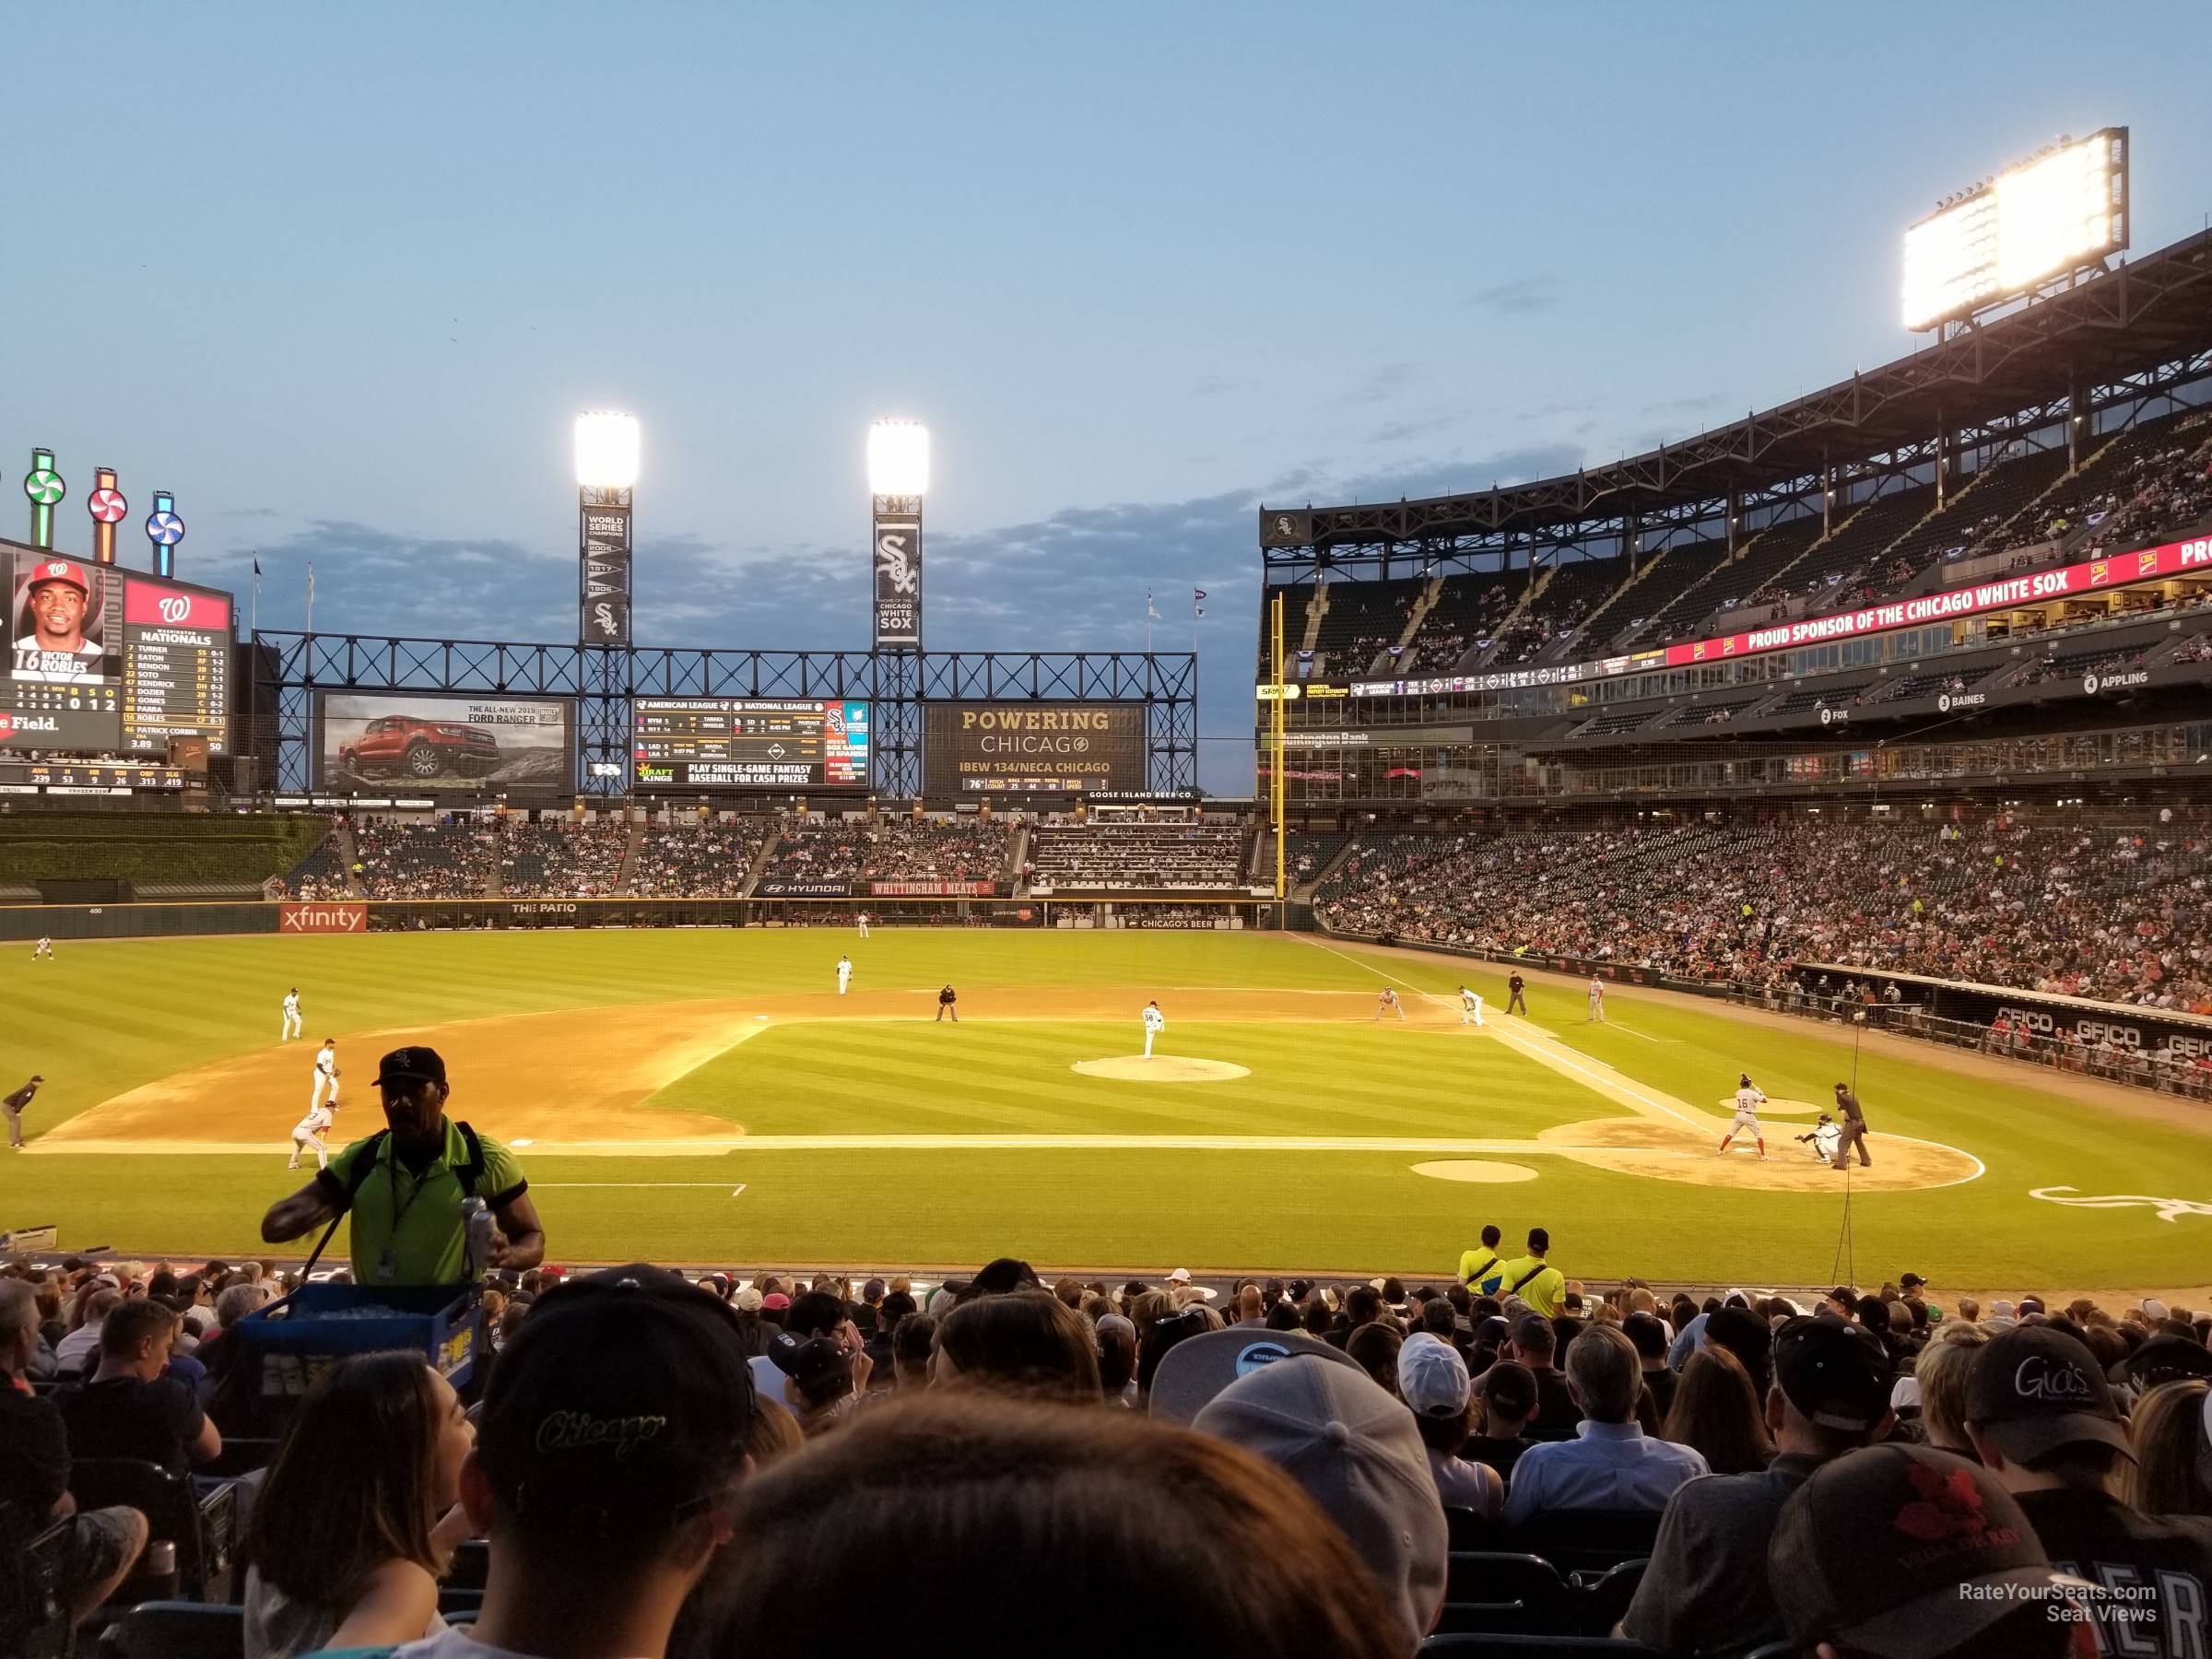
(286, 1346)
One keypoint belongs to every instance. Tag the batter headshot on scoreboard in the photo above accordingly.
(58, 623)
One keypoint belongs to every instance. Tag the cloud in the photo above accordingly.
(1379, 384)
(1214, 386)
(1520, 296)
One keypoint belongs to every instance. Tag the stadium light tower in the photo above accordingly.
(898, 480)
(606, 472)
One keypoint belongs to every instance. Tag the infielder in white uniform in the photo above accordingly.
(844, 974)
(1597, 1000)
(44, 951)
(307, 1132)
(863, 924)
(327, 1073)
(291, 1015)
(1470, 1006)
(1388, 1004)
(1155, 1023)
(1749, 1100)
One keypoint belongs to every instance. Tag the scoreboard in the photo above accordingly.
(102, 660)
(176, 657)
(749, 743)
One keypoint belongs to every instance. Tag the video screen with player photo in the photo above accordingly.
(60, 625)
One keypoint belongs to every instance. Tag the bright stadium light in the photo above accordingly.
(607, 450)
(898, 458)
(2045, 218)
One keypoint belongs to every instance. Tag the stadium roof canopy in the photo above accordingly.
(2152, 312)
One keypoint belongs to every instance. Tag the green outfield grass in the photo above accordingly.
(107, 1018)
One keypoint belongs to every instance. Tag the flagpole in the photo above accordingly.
(253, 608)
(311, 598)
(1149, 615)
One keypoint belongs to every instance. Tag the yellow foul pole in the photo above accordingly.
(1275, 769)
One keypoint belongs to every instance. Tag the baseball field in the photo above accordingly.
(706, 1096)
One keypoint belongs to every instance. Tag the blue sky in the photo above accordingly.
(339, 277)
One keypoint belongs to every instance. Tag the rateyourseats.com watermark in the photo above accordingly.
(2075, 1604)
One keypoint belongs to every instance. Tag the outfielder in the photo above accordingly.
(307, 1132)
(1388, 1004)
(863, 924)
(844, 974)
(326, 1074)
(1515, 1003)
(1749, 1100)
(1155, 1023)
(44, 952)
(1597, 1000)
(1470, 1006)
(291, 1015)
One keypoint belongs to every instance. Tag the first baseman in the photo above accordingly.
(1155, 1023)
(307, 1132)
(1470, 1006)
(1597, 1000)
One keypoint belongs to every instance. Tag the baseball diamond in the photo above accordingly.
(861, 1129)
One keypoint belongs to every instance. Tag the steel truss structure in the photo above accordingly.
(294, 669)
(2054, 372)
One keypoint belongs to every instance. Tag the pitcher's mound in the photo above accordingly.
(1475, 1169)
(1161, 1068)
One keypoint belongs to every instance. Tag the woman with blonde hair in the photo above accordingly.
(1717, 1412)
(2172, 1433)
(1940, 1373)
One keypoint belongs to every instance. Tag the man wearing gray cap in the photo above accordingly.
(1355, 1450)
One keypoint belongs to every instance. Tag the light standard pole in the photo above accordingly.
(606, 474)
(898, 480)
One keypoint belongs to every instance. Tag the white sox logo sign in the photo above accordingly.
(898, 580)
(2169, 1209)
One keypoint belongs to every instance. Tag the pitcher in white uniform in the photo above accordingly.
(1749, 1100)
(1470, 1006)
(1155, 1023)
(844, 974)
(327, 1073)
(291, 1015)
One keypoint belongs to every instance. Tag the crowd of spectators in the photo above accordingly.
(321, 874)
(888, 848)
(711, 860)
(2119, 914)
(552, 858)
(1744, 1463)
(1136, 855)
(450, 859)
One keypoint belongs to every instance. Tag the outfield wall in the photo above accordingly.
(62, 922)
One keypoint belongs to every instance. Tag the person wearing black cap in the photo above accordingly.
(1707, 1585)
(609, 1456)
(1853, 1124)
(2043, 1421)
(407, 1187)
(1909, 1553)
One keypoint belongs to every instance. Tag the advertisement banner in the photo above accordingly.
(368, 740)
(802, 890)
(898, 580)
(749, 743)
(604, 593)
(1032, 747)
(932, 890)
(321, 918)
(2174, 559)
